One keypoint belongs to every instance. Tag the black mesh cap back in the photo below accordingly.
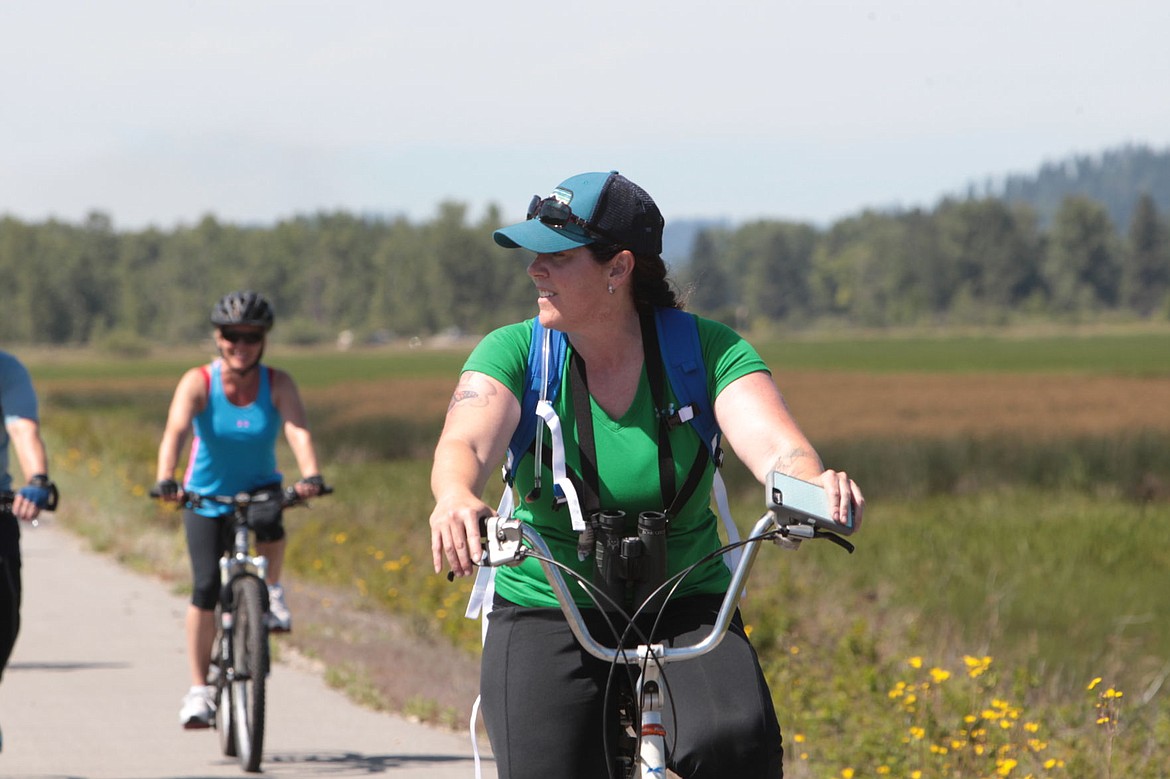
(626, 213)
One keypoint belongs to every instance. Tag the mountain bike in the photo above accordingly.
(240, 654)
(643, 751)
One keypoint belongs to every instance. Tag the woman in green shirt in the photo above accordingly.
(599, 277)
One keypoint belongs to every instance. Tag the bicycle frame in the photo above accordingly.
(237, 562)
(240, 681)
(505, 546)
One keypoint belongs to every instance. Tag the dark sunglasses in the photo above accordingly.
(557, 214)
(235, 336)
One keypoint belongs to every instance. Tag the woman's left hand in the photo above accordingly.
(309, 486)
(843, 491)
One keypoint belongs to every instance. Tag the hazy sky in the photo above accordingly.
(158, 112)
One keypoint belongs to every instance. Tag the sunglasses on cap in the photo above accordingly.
(556, 214)
(235, 336)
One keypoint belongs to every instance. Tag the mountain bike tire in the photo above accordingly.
(250, 655)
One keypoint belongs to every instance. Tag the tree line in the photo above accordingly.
(966, 261)
(973, 261)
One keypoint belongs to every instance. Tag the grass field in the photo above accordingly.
(1018, 492)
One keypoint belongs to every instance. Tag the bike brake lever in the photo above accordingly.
(836, 539)
(502, 547)
(790, 536)
(500, 542)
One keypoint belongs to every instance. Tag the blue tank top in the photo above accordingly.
(234, 449)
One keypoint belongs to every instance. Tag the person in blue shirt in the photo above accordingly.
(236, 408)
(21, 428)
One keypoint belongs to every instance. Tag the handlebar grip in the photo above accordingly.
(290, 497)
(187, 497)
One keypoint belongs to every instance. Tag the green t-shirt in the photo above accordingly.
(627, 463)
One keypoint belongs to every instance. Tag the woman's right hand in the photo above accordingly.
(168, 490)
(455, 533)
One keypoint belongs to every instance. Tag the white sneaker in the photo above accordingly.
(279, 617)
(198, 708)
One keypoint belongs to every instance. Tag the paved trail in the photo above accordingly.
(93, 691)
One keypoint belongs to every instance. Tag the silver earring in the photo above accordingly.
(610, 287)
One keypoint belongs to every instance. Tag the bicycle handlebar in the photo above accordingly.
(288, 497)
(506, 546)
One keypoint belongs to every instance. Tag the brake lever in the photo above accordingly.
(503, 536)
(791, 536)
(500, 541)
(836, 539)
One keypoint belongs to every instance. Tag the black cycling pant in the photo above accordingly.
(207, 539)
(543, 696)
(10, 590)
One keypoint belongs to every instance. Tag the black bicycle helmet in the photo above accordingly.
(243, 307)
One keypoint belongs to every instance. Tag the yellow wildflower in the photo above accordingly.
(976, 666)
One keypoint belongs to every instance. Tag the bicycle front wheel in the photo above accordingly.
(250, 661)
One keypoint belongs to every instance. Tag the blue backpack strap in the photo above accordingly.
(525, 432)
(682, 355)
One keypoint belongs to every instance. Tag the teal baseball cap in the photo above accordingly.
(588, 208)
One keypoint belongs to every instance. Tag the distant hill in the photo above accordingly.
(1115, 178)
(679, 236)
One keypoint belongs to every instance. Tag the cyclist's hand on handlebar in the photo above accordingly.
(841, 491)
(455, 533)
(168, 490)
(40, 494)
(309, 486)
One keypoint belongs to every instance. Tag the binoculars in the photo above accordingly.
(629, 568)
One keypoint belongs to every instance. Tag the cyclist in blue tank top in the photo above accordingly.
(236, 408)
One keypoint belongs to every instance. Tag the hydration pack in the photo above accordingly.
(677, 334)
(682, 359)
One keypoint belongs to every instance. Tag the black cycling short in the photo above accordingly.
(207, 539)
(542, 697)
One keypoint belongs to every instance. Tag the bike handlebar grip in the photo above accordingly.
(291, 496)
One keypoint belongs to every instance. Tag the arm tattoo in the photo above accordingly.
(471, 393)
(786, 462)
